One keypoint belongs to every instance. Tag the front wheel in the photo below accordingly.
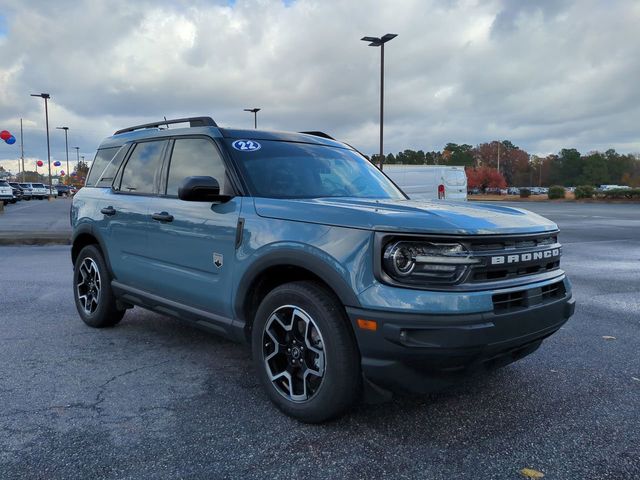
(92, 292)
(304, 352)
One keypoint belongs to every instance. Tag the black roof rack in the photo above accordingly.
(193, 122)
(319, 134)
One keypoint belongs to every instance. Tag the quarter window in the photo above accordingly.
(103, 157)
(195, 157)
(141, 171)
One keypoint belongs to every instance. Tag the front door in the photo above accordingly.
(192, 244)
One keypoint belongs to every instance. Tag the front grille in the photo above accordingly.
(506, 302)
(514, 257)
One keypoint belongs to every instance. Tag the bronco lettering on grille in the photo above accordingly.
(524, 257)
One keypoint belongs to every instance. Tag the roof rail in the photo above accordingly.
(193, 122)
(319, 134)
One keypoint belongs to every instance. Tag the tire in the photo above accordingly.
(94, 298)
(320, 348)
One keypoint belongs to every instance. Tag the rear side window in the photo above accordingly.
(3, 184)
(194, 157)
(38, 185)
(141, 171)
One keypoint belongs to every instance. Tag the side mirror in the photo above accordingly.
(201, 189)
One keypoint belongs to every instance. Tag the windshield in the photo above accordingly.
(300, 170)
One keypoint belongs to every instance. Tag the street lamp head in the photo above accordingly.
(252, 110)
(62, 128)
(378, 41)
(42, 95)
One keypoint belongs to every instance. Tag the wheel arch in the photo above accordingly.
(283, 267)
(83, 236)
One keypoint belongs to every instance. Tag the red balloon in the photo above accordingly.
(39, 163)
(4, 135)
(62, 173)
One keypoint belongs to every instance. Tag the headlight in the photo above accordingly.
(423, 262)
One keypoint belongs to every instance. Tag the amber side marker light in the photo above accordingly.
(367, 324)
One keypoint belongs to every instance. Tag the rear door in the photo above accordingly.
(192, 250)
(455, 180)
(125, 209)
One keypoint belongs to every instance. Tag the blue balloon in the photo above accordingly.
(56, 163)
(11, 140)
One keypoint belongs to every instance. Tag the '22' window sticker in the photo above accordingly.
(246, 145)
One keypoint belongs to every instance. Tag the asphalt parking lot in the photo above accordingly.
(153, 398)
(36, 222)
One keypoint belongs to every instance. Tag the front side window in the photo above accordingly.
(301, 170)
(141, 171)
(193, 157)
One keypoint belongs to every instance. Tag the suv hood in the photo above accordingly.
(406, 216)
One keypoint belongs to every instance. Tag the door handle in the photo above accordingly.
(162, 217)
(108, 211)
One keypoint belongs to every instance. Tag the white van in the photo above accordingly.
(430, 182)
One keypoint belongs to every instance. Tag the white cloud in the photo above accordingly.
(547, 75)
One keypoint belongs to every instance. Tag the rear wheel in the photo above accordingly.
(93, 296)
(304, 353)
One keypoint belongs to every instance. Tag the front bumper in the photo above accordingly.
(422, 353)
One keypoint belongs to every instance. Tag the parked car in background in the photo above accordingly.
(430, 182)
(63, 190)
(17, 193)
(513, 191)
(606, 188)
(17, 190)
(38, 190)
(27, 191)
(6, 192)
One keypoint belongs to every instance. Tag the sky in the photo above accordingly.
(545, 74)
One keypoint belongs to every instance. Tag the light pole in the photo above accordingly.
(379, 42)
(66, 145)
(21, 150)
(255, 115)
(46, 97)
(77, 157)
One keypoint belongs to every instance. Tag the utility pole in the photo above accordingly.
(540, 173)
(498, 157)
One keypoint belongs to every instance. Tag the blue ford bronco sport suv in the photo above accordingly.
(296, 244)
